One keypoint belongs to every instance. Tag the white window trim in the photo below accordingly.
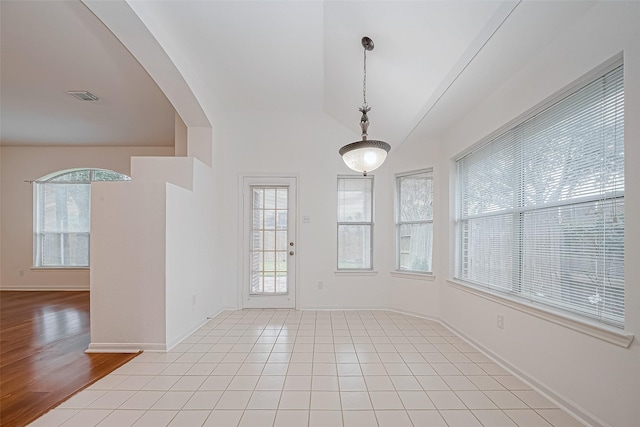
(428, 277)
(594, 329)
(352, 272)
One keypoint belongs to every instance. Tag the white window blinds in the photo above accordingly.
(62, 235)
(63, 216)
(541, 207)
(355, 222)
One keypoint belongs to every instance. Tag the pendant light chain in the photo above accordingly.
(368, 154)
(364, 82)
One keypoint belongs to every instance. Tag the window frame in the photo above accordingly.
(603, 328)
(39, 215)
(369, 223)
(399, 222)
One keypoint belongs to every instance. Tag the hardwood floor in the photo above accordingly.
(43, 336)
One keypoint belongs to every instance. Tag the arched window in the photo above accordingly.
(63, 216)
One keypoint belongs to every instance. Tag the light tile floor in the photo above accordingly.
(292, 368)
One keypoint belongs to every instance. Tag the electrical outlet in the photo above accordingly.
(320, 284)
(500, 321)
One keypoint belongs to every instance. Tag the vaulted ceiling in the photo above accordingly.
(252, 56)
(50, 47)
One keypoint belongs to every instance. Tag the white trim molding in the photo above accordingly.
(567, 405)
(125, 347)
(333, 308)
(356, 273)
(150, 347)
(562, 402)
(45, 287)
(596, 330)
(186, 335)
(413, 275)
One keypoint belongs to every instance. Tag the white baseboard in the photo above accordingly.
(31, 288)
(219, 312)
(416, 314)
(125, 347)
(150, 347)
(559, 400)
(342, 308)
(195, 328)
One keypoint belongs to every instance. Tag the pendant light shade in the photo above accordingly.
(368, 154)
(365, 156)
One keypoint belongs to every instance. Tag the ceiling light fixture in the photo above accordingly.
(369, 154)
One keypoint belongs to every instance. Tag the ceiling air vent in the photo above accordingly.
(83, 95)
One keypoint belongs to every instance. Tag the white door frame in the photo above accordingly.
(267, 301)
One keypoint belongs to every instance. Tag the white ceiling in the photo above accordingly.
(259, 55)
(49, 47)
(307, 56)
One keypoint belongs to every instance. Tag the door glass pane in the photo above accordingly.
(256, 240)
(269, 241)
(281, 261)
(281, 242)
(281, 282)
(256, 261)
(269, 219)
(269, 198)
(269, 278)
(269, 261)
(257, 220)
(256, 282)
(282, 220)
(282, 198)
(258, 198)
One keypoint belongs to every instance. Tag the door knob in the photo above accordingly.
(291, 253)
(290, 243)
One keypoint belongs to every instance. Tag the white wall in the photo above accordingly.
(180, 131)
(306, 146)
(1, 223)
(29, 163)
(155, 275)
(594, 378)
(194, 289)
(182, 283)
(128, 276)
(417, 295)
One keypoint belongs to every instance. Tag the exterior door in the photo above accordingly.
(269, 244)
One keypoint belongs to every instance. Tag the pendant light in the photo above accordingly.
(369, 154)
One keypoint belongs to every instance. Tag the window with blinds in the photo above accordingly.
(541, 207)
(414, 221)
(355, 222)
(63, 216)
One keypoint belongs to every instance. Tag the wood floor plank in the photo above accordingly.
(43, 336)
